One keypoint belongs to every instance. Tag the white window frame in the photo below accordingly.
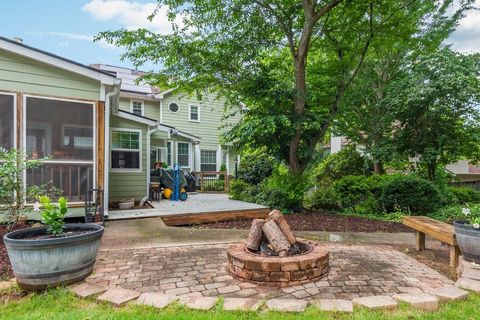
(216, 158)
(171, 150)
(171, 110)
(141, 102)
(79, 162)
(158, 153)
(190, 112)
(139, 131)
(189, 153)
(14, 95)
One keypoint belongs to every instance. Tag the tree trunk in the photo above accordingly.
(276, 238)
(278, 217)
(255, 235)
(378, 167)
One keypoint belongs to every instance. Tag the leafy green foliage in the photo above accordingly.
(352, 190)
(464, 195)
(346, 162)
(411, 194)
(436, 103)
(255, 167)
(324, 197)
(12, 193)
(53, 215)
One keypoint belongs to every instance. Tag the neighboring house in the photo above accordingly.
(100, 128)
(462, 169)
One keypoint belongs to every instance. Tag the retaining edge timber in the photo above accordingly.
(216, 216)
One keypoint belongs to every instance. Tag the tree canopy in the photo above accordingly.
(289, 62)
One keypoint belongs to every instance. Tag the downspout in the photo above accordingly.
(106, 160)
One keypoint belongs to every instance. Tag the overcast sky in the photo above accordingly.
(67, 27)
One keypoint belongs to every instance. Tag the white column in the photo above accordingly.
(196, 166)
(219, 157)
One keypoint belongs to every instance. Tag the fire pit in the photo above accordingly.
(273, 256)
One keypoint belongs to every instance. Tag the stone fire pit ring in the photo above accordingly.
(278, 271)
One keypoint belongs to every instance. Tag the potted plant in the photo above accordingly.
(55, 254)
(467, 233)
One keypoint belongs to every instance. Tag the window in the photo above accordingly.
(208, 160)
(194, 114)
(136, 107)
(7, 120)
(158, 154)
(183, 154)
(173, 107)
(169, 153)
(64, 131)
(126, 149)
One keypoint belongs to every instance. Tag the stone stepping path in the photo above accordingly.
(119, 296)
(468, 275)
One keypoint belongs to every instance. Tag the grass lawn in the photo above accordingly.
(60, 304)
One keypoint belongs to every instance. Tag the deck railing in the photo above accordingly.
(212, 181)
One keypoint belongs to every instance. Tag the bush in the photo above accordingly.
(352, 190)
(255, 167)
(409, 193)
(237, 189)
(346, 162)
(448, 213)
(463, 195)
(323, 198)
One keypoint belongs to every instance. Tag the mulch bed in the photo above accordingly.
(5, 267)
(320, 221)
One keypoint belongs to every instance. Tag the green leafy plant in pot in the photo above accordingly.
(467, 232)
(53, 215)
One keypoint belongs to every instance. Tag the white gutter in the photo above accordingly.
(106, 160)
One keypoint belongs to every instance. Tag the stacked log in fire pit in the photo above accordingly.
(273, 256)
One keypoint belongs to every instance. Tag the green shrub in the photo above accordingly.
(255, 167)
(237, 189)
(448, 213)
(323, 198)
(409, 194)
(352, 190)
(346, 162)
(464, 195)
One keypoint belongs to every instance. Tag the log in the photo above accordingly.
(276, 238)
(255, 235)
(282, 223)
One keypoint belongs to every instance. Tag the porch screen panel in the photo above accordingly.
(63, 131)
(7, 126)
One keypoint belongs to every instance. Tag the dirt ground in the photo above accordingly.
(320, 221)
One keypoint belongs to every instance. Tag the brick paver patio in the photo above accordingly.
(356, 271)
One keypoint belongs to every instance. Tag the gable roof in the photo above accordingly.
(57, 61)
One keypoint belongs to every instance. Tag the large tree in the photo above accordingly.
(366, 117)
(437, 103)
(289, 61)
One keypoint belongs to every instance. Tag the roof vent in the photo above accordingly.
(18, 39)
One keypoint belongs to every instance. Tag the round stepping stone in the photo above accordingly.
(449, 293)
(334, 305)
(421, 301)
(118, 296)
(88, 289)
(286, 305)
(243, 304)
(375, 302)
(198, 303)
(155, 299)
(5, 285)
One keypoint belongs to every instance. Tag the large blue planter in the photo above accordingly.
(42, 263)
(468, 239)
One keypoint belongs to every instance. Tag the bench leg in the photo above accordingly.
(454, 256)
(420, 243)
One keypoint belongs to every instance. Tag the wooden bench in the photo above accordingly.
(435, 229)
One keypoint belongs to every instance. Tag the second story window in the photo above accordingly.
(194, 114)
(137, 107)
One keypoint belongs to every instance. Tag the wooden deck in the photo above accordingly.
(205, 217)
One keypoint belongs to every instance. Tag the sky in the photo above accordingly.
(67, 27)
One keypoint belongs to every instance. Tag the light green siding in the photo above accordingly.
(151, 109)
(129, 184)
(211, 125)
(25, 75)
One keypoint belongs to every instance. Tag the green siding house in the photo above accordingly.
(99, 127)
